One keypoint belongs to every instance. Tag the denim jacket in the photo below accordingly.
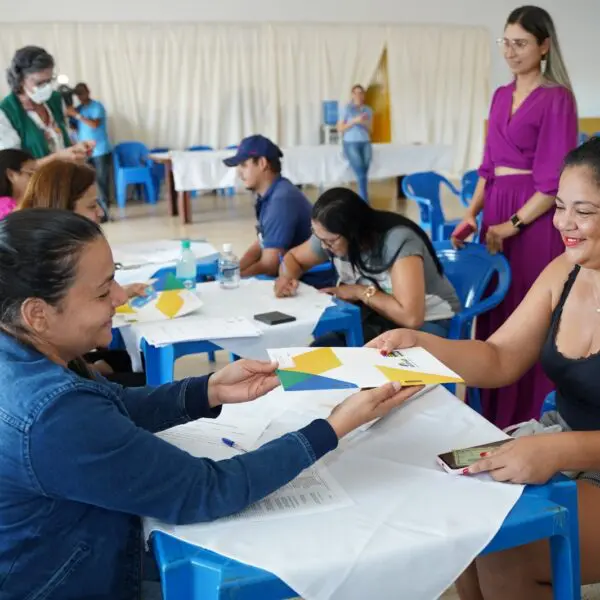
(80, 464)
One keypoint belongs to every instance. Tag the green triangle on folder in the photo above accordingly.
(168, 282)
(290, 378)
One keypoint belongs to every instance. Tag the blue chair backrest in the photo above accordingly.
(583, 138)
(424, 189)
(159, 150)
(467, 186)
(131, 154)
(232, 147)
(200, 148)
(470, 270)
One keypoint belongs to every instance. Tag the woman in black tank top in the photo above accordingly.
(557, 323)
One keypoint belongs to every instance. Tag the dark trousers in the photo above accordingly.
(103, 166)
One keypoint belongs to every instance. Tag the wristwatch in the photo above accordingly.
(516, 222)
(369, 292)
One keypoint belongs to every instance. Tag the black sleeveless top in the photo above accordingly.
(577, 380)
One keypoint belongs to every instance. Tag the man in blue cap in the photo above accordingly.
(283, 212)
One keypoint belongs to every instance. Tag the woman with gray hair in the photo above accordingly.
(32, 116)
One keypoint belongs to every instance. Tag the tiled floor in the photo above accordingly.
(220, 220)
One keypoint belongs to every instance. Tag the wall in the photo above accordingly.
(576, 20)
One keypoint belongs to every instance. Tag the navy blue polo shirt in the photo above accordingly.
(283, 216)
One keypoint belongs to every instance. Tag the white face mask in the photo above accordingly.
(41, 93)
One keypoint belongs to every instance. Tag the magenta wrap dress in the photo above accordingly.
(535, 138)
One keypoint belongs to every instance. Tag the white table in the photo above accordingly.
(412, 529)
(319, 165)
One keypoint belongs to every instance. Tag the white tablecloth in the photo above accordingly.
(413, 528)
(319, 165)
(251, 298)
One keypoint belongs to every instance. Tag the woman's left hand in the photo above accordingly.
(496, 234)
(349, 293)
(530, 459)
(242, 381)
(135, 289)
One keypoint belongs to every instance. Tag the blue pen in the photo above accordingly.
(233, 445)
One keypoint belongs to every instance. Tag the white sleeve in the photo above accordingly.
(9, 138)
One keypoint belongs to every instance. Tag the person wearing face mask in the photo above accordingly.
(32, 116)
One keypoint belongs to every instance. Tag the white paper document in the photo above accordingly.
(204, 438)
(156, 252)
(315, 490)
(196, 328)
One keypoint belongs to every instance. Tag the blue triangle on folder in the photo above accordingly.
(317, 382)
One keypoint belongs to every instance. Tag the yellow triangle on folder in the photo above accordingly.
(316, 362)
(125, 309)
(409, 378)
(169, 303)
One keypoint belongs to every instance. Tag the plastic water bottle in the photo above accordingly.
(229, 269)
(186, 266)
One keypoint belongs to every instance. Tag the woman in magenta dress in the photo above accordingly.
(532, 126)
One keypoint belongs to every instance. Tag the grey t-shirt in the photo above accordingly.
(441, 301)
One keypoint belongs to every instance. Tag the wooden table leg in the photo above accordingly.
(185, 210)
(170, 189)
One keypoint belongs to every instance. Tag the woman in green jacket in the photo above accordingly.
(32, 116)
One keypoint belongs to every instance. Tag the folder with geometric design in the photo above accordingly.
(311, 369)
(158, 306)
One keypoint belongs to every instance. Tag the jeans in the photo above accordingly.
(103, 165)
(359, 155)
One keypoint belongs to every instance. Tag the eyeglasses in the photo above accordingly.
(328, 243)
(517, 45)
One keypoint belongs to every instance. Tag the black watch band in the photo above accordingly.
(516, 222)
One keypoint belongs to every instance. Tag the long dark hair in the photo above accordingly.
(39, 253)
(343, 212)
(11, 160)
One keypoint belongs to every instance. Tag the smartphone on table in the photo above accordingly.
(456, 461)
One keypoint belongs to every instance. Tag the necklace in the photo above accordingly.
(595, 291)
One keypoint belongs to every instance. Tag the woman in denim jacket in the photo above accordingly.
(80, 464)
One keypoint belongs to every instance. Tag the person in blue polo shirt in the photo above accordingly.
(283, 212)
(91, 125)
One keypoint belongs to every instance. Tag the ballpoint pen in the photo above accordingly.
(233, 444)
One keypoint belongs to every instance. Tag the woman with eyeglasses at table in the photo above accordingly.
(16, 167)
(72, 186)
(557, 323)
(32, 116)
(385, 263)
(80, 464)
(532, 126)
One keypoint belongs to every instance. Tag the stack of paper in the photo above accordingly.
(302, 369)
(158, 252)
(196, 328)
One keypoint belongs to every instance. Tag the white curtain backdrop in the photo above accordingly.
(439, 82)
(176, 85)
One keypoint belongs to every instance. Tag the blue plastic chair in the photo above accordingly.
(470, 270)
(158, 169)
(133, 167)
(583, 137)
(468, 183)
(424, 189)
(199, 148)
(229, 191)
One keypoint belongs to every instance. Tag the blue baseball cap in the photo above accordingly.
(254, 146)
